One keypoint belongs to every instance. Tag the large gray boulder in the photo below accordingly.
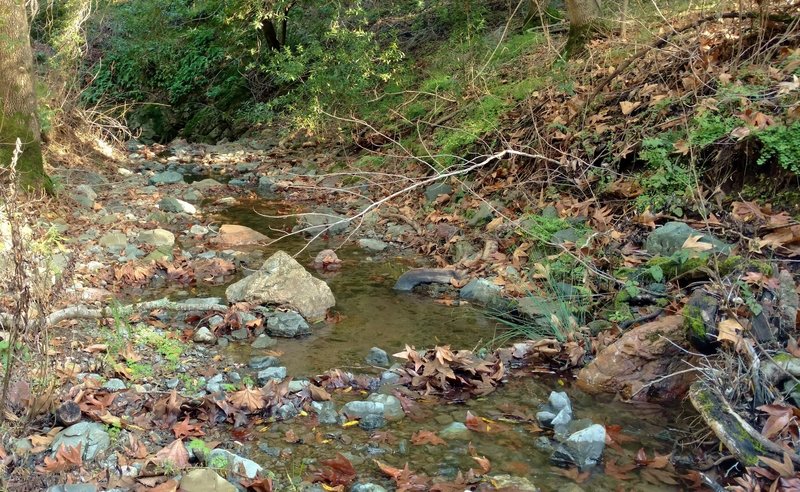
(669, 239)
(283, 281)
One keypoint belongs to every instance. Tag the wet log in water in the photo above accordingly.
(745, 443)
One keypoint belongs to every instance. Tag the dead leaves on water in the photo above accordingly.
(456, 376)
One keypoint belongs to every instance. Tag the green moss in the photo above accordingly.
(673, 267)
(693, 322)
(30, 164)
(782, 357)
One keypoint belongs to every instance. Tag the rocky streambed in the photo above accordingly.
(260, 365)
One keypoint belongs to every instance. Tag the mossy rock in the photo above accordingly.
(700, 321)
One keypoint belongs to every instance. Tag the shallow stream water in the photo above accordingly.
(372, 314)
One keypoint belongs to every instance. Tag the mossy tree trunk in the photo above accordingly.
(584, 22)
(18, 97)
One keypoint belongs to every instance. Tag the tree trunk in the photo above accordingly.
(268, 28)
(18, 98)
(584, 23)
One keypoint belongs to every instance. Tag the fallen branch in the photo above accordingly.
(468, 167)
(746, 444)
(85, 312)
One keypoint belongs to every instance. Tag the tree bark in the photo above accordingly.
(268, 28)
(584, 23)
(18, 97)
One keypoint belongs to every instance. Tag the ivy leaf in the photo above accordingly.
(656, 272)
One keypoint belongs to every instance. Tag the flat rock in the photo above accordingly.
(271, 373)
(436, 189)
(84, 196)
(236, 235)
(113, 240)
(173, 205)
(206, 185)
(360, 409)
(90, 436)
(642, 356)
(262, 342)
(287, 325)
(167, 177)
(377, 357)
(283, 281)
(322, 220)
(204, 335)
(205, 480)
(159, 238)
(372, 244)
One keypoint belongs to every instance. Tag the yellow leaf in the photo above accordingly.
(693, 242)
(350, 423)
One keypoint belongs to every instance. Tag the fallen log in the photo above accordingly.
(746, 444)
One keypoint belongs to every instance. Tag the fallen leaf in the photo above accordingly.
(695, 243)
(249, 399)
(426, 437)
(174, 455)
(728, 329)
(628, 107)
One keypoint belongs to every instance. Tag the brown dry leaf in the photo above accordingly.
(318, 393)
(65, 459)
(646, 218)
(185, 429)
(175, 454)
(249, 399)
(170, 485)
(628, 107)
(728, 330)
(494, 224)
(682, 147)
(781, 237)
(426, 437)
(695, 243)
(336, 472)
(96, 348)
(484, 463)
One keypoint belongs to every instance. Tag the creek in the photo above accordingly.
(371, 314)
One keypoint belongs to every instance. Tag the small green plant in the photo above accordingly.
(552, 313)
(781, 143)
(140, 370)
(199, 448)
(113, 432)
